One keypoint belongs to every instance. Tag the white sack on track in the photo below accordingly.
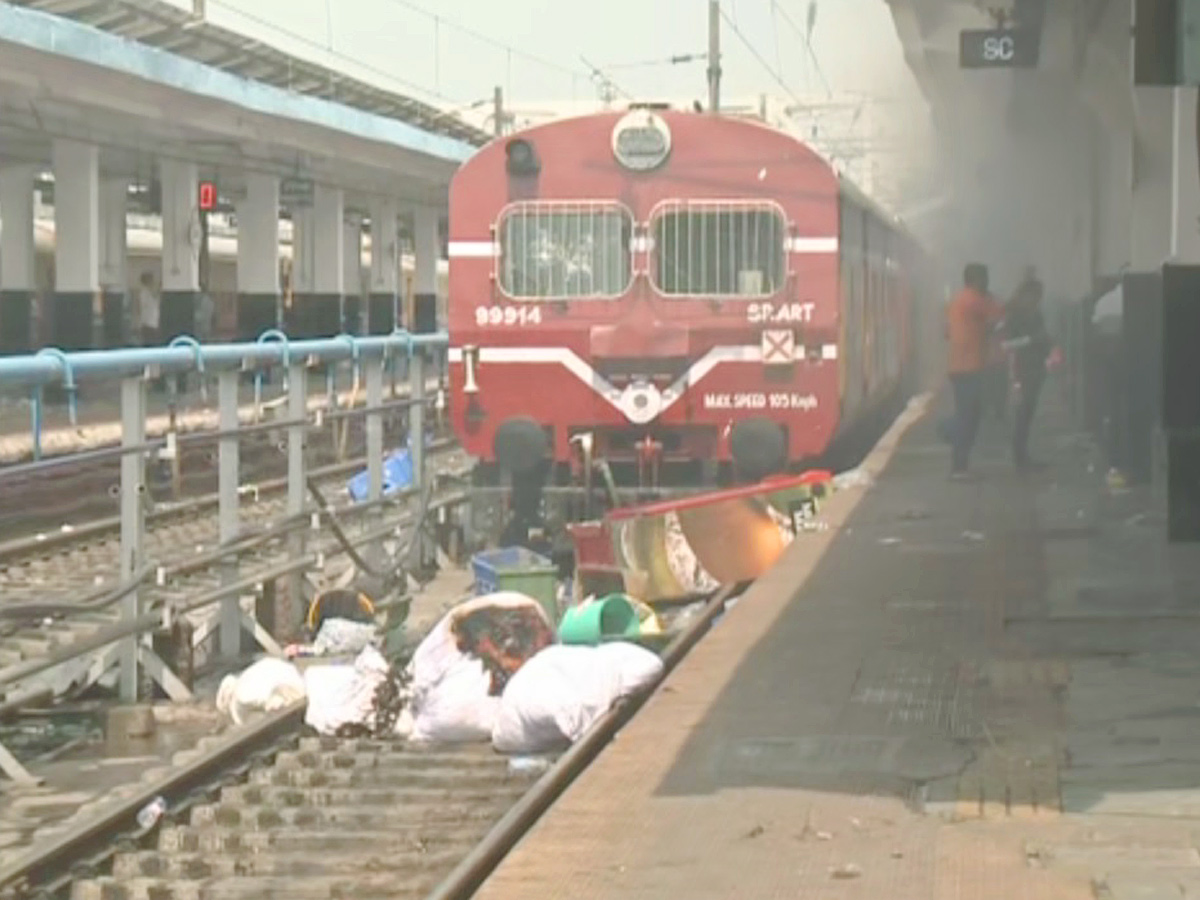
(266, 686)
(559, 694)
(455, 693)
(344, 694)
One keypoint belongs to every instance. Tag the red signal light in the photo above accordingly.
(208, 196)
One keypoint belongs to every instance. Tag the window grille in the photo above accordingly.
(573, 250)
(718, 249)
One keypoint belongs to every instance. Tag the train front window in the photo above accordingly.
(565, 250)
(709, 249)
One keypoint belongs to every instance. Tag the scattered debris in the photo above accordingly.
(397, 476)
(528, 765)
(337, 637)
(366, 697)
(465, 664)
(149, 815)
(268, 685)
(846, 871)
(756, 831)
(824, 836)
(562, 691)
(854, 478)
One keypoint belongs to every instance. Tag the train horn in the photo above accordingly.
(470, 360)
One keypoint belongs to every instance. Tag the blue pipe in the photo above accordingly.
(58, 367)
(35, 411)
(68, 380)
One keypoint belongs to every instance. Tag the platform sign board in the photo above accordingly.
(998, 48)
(296, 193)
(1166, 44)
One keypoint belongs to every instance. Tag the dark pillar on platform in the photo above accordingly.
(114, 329)
(1142, 332)
(71, 321)
(177, 314)
(315, 316)
(16, 322)
(424, 314)
(1180, 404)
(256, 313)
(381, 314)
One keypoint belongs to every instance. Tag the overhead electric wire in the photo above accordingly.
(485, 39)
(807, 39)
(336, 54)
(761, 59)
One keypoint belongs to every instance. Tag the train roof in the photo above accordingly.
(847, 187)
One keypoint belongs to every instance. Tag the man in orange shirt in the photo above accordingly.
(970, 319)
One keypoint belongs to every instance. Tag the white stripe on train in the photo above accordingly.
(804, 246)
(589, 376)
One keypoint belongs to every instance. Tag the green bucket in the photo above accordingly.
(611, 617)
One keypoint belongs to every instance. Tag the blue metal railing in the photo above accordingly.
(52, 366)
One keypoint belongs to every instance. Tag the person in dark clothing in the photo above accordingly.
(1025, 331)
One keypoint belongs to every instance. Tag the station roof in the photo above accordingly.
(166, 27)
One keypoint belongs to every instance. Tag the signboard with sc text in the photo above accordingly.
(998, 48)
(296, 193)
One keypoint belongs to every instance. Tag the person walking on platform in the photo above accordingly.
(1025, 330)
(970, 318)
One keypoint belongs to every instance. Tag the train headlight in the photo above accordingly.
(522, 158)
(641, 402)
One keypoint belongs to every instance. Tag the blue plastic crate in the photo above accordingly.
(518, 569)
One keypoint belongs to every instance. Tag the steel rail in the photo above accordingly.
(97, 527)
(53, 860)
(471, 873)
(53, 863)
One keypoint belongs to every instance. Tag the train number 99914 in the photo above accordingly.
(508, 315)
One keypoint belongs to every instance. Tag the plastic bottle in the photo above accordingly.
(527, 765)
(149, 814)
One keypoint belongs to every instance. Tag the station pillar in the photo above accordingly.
(1151, 202)
(352, 309)
(427, 246)
(1185, 187)
(181, 247)
(319, 256)
(18, 270)
(114, 269)
(258, 257)
(385, 266)
(77, 247)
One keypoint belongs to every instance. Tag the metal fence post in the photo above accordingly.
(228, 464)
(416, 416)
(133, 522)
(374, 379)
(374, 428)
(296, 487)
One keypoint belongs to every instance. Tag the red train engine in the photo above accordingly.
(667, 292)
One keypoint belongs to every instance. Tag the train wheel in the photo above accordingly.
(759, 448)
(521, 446)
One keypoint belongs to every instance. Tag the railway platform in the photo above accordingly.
(983, 690)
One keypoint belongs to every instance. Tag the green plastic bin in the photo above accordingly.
(521, 570)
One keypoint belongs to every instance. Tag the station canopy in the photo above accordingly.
(166, 27)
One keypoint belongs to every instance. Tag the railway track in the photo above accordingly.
(265, 811)
(79, 571)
